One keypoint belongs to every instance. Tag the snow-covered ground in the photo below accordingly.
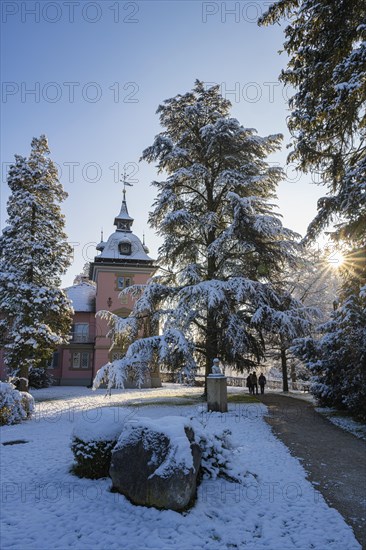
(44, 506)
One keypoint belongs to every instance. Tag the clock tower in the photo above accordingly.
(123, 261)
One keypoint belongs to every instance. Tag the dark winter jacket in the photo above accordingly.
(262, 380)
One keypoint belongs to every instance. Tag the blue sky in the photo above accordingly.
(99, 70)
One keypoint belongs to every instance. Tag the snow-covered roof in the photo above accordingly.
(124, 215)
(111, 250)
(82, 296)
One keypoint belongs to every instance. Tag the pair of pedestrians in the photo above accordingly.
(253, 381)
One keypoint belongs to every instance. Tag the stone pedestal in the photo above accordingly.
(216, 393)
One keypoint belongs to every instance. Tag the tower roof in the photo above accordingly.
(123, 221)
(123, 246)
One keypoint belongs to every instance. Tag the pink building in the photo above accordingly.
(123, 261)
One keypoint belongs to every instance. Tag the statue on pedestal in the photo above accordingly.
(216, 388)
(215, 369)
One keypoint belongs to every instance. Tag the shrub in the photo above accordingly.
(93, 440)
(15, 406)
(216, 454)
(27, 401)
(93, 458)
(40, 378)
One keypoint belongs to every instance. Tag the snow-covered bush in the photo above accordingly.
(217, 449)
(27, 401)
(215, 454)
(93, 458)
(40, 378)
(93, 440)
(15, 406)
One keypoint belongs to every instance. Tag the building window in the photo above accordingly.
(80, 360)
(53, 362)
(81, 332)
(123, 282)
(124, 248)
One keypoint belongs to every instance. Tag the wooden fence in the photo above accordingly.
(238, 381)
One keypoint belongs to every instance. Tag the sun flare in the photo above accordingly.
(335, 259)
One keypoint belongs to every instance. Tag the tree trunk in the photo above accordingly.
(23, 375)
(284, 369)
(293, 372)
(211, 329)
(28, 318)
(211, 345)
(284, 364)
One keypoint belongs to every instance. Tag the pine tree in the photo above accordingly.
(35, 313)
(84, 275)
(326, 45)
(314, 282)
(337, 358)
(222, 243)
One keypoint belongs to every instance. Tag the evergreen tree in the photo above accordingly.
(314, 282)
(83, 276)
(337, 358)
(326, 45)
(222, 243)
(35, 313)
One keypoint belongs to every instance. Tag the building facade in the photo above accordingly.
(122, 261)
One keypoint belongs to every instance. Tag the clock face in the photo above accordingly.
(124, 248)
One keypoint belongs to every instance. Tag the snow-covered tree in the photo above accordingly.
(314, 282)
(325, 42)
(35, 314)
(222, 243)
(326, 45)
(337, 358)
(84, 275)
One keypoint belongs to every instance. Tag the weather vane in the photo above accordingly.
(125, 182)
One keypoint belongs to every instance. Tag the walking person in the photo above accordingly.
(249, 384)
(262, 381)
(254, 381)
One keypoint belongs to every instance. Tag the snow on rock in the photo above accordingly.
(156, 463)
(171, 427)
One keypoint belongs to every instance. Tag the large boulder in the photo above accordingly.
(156, 463)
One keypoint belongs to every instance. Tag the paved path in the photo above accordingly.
(334, 459)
